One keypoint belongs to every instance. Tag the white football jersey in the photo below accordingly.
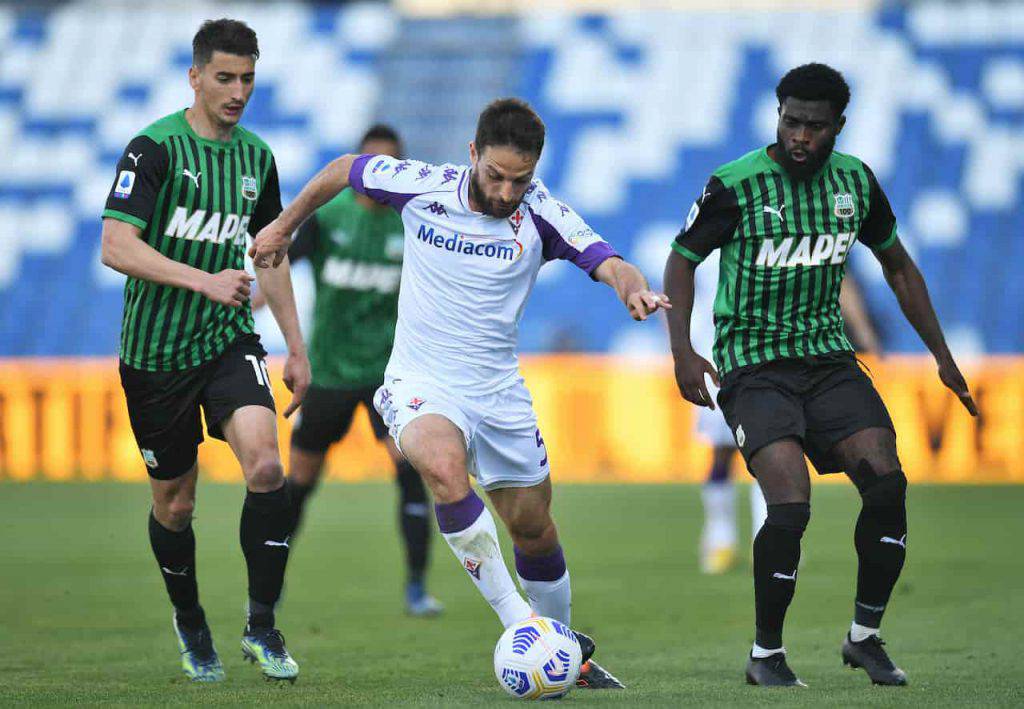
(466, 275)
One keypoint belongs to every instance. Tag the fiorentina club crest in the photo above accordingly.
(473, 567)
(248, 187)
(844, 206)
(415, 403)
(516, 220)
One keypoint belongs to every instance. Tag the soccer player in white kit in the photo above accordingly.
(453, 398)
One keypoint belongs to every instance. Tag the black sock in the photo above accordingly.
(880, 538)
(175, 554)
(414, 518)
(776, 558)
(299, 495)
(265, 531)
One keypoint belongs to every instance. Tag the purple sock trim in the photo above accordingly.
(541, 568)
(456, 516)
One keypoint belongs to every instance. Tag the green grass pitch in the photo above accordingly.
(84, 617)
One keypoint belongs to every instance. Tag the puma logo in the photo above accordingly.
(135, 158)
(901, 542)
(791, 577)
(776, 212)
(182, 572)
(272, 543)
(194, 177)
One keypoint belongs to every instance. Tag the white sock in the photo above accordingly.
(477, 549)
(860, 633)
(551, 599)
(760, 652)
(719, 516)
(758, 509)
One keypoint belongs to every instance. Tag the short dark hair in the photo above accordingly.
(223, 35)
(511, 122)
(381, 131)
(815, 82)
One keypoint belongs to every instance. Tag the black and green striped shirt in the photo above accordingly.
(784, 245)
(194, 200)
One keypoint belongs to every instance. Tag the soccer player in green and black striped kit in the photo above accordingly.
(355, 247)
(785, 218)
(189, 189)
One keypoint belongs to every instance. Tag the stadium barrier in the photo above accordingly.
(603, 419)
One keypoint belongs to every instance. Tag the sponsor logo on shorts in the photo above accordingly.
(741, 436)
(415, 403)
(149, 458)
(473, 567)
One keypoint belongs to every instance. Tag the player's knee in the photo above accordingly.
(792, 515)
(888, 490)
(530, 530)
(175, 512)
(264, 474)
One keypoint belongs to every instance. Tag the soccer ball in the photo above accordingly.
(538, 658)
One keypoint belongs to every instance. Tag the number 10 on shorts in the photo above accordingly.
(260, 368)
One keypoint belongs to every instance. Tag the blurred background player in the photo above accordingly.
(190, 188)
(785, 217)
(355, 248)
(718, 542)
(453, 396)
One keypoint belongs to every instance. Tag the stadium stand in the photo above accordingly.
(640, 107)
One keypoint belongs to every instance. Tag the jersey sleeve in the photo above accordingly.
(878, 230)
(711, 223)
(394, 182)
(141, 172)
(268, 204)
(563, 232)
(305, 241)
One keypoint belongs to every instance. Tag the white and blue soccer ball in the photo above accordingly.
(538, 658)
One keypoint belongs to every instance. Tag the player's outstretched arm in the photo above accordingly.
(690, 367)
(908, 284)
(124, 251)
(271, 244)
(631, 287)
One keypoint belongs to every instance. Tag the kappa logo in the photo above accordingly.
(424, 173)
(563, 208)
(437, 208)
(516, 220)
(450, 173)
(399, 168)
(415, 403)
(135, 158)
(194, 177)
(844, 208)
(741, 436)
(149, 458)
(776, 212)
(249, 187)
(473, 567)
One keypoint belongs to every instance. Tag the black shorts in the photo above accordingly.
(326, 415)
(164, 406)
(819, 400)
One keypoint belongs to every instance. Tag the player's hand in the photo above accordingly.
(297, 378)
(690, 371)
(950, 375)
(270, 246)
(228, 287)
(644, 302)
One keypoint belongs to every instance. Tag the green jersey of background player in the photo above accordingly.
(189, 189)
(355, 248)
(785, 218)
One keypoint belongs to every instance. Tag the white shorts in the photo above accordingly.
(711, 424)
(503, 443)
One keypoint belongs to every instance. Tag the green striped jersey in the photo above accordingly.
(195, 201)
(356, 254)
(784, 244)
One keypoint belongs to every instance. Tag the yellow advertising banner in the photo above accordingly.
(603, 419)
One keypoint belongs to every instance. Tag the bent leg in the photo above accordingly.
(436, 448)
(304, 470)
(540, 562)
